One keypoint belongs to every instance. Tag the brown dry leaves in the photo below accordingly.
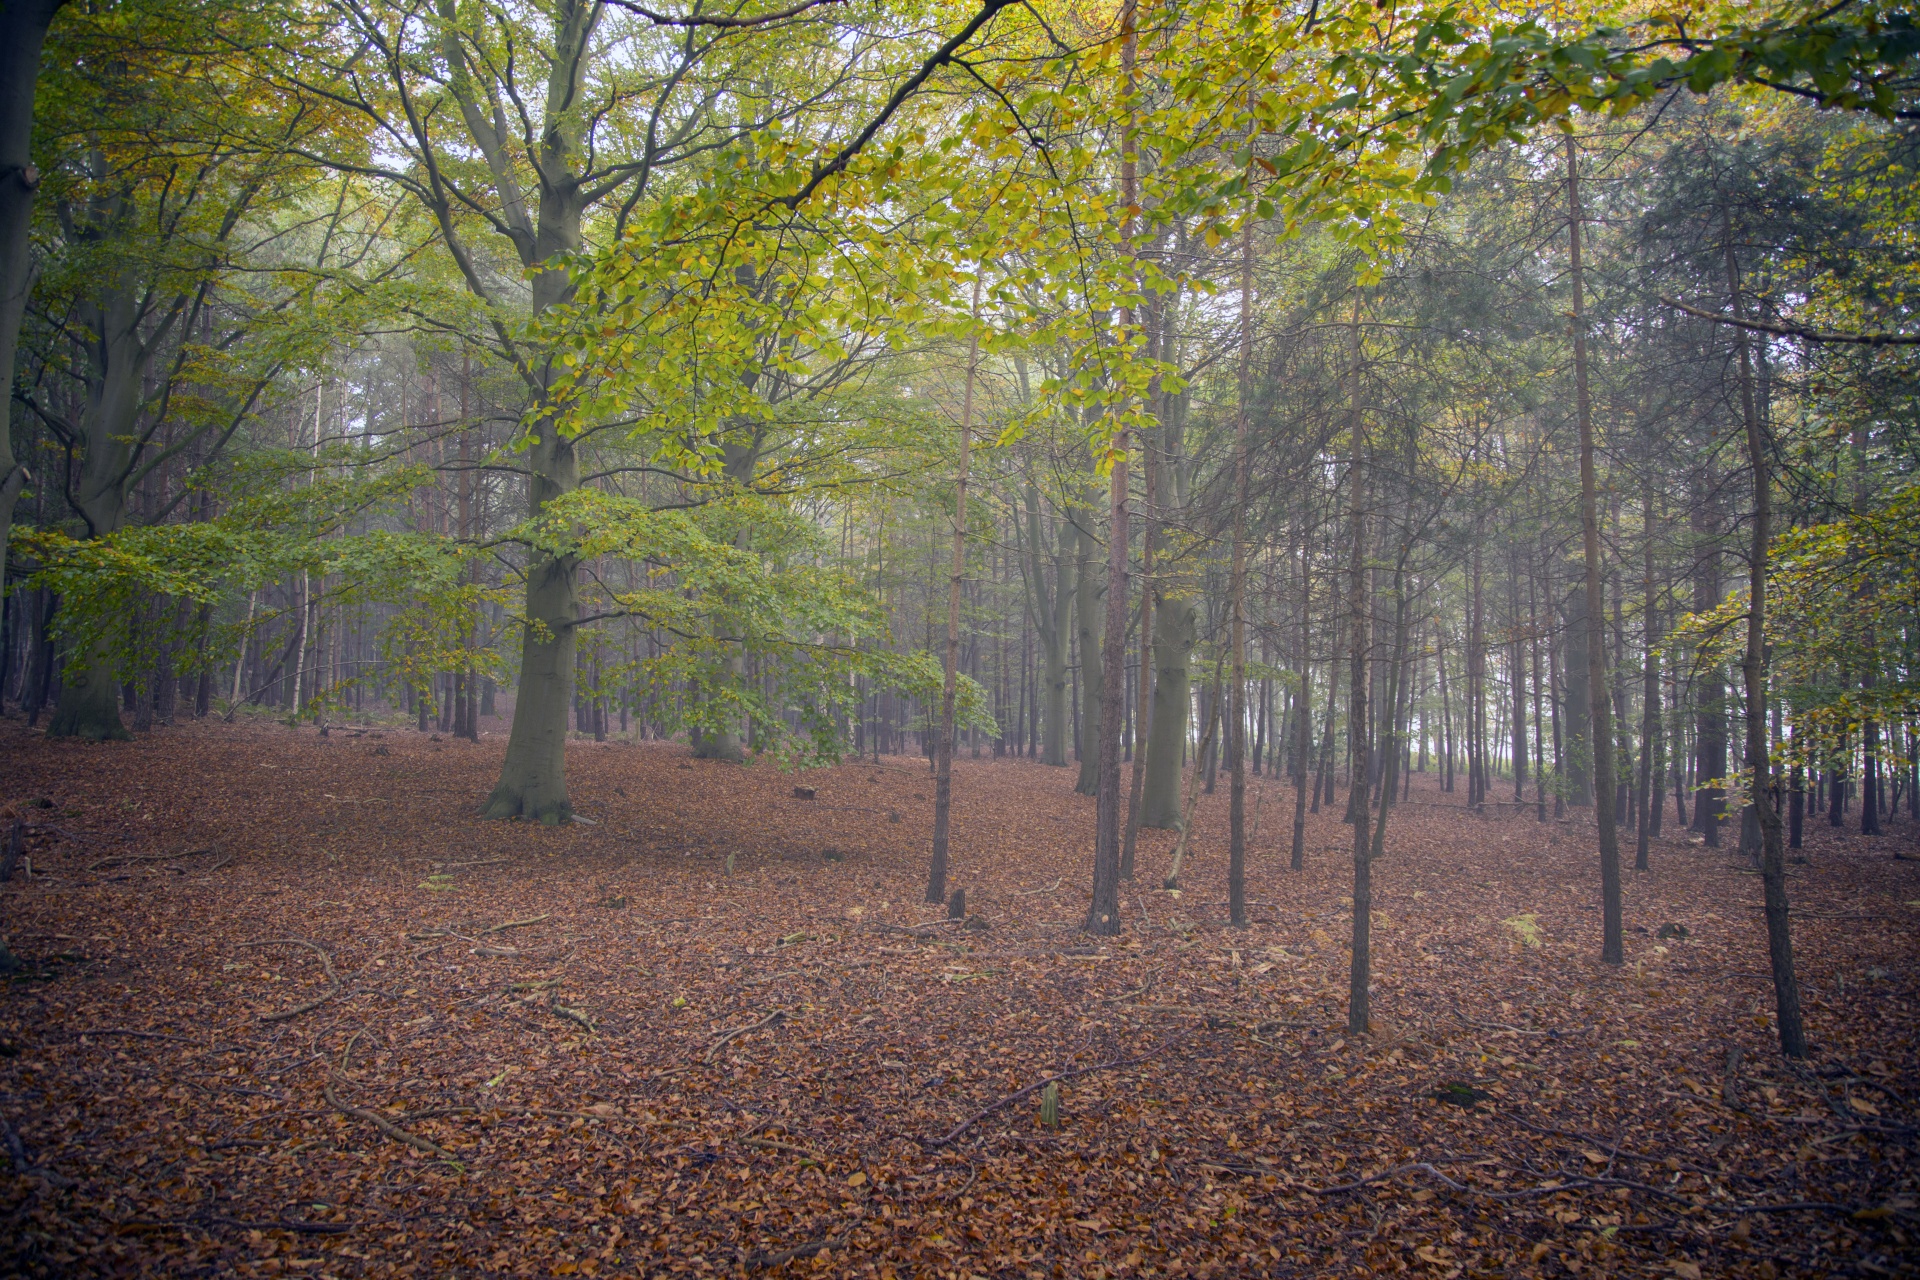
(575, 1067)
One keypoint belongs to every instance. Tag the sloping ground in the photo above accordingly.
(294, 1009)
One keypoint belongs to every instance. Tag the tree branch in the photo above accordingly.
(1795, 331)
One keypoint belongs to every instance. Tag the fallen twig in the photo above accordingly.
(1140, 990)
(1500, 1026)
(1384, 1174)
(777, 1015)
(774, 1145)
(935, 1144)
(571, 1015)
(127, 1031)
(146, 857)
(516, 924)
(279, 1224)
(1025, 893)
(385, 1125)
(806, 1250)
(326, 963)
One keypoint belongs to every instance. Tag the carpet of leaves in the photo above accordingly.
(511, 1051)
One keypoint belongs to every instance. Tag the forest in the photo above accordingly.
(655, 640)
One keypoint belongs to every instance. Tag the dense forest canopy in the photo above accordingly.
(1332, 391)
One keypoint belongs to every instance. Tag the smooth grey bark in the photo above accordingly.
(533, 776)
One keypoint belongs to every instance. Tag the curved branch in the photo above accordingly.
(1795, 331)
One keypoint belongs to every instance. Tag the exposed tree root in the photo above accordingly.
(326, 962)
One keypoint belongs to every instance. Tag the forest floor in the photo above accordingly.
(291, 1008)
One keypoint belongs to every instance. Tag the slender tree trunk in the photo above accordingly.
(1390, 745)
(1359, 625)
(949, 680)
(1612, 950)
(1302, 717)
(1237, 609)
(1446, 714)
(1649, 815)
(1773, 868)
(1144, 694)
(1103, 912)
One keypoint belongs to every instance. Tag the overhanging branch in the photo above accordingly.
(1795, 331)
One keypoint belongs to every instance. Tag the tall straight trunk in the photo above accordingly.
(950, 675)
(1323, 767)
(1359, 623)
(1446, 714)
(1612, 947)
(1476, 688)
(1302, 719)
(1773, 861)
(1516, 670)
(1237, 609)
(1390, 746)
(1088, 592)
(1052, 613)
(1708, 687)
(1539, 734)
(1649, 803)
(1103, 911)
(1143, 716)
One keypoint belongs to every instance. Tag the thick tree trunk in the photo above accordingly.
(89, 704)
(23, 32)
(533, 778)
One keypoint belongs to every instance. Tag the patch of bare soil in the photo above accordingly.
(292, 1008)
